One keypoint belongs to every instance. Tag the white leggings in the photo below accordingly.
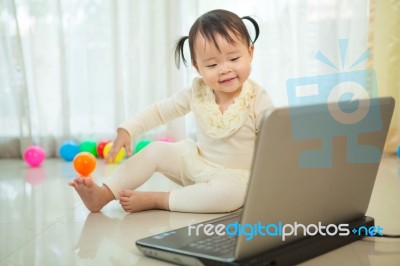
(218, 194)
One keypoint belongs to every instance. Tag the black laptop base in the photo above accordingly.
(304, 249)
(290, 254)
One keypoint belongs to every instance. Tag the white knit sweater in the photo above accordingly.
(224, 141)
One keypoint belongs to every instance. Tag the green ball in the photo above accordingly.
(88, 146)
(141, 144)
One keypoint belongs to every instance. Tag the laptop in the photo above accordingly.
(312, 171)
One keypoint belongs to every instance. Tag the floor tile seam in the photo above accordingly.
(28, 241)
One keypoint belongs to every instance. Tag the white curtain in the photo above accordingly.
(74, 69)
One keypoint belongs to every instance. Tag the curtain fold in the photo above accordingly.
(76, 69)
(14, 107)
(385, 29)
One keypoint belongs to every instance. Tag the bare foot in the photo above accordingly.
(93, 196)
(135, 201)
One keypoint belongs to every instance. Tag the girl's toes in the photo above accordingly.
(126, 207)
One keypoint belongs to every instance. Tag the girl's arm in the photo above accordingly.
(154, 115)
(158, 114)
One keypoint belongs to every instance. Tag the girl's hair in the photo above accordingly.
(221, 22)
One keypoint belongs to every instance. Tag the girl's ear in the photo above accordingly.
(251, 51)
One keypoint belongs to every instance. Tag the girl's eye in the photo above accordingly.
(211, 66)
(234, 59)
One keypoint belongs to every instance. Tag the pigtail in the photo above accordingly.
(179, 51)
(255, 27)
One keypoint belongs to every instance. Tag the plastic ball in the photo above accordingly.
(141, 144)
(100, 147)
(120, 154)
(69, 150)
(88, 146)
(84, 163)
(398, 151)
(34, 155)
(166, 139)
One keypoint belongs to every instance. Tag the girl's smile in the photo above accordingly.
(223, 65)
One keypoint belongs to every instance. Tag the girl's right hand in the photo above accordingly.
(123, 140)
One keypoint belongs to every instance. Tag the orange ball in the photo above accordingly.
(84, 163)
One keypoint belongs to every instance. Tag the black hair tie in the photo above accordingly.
(255, 27)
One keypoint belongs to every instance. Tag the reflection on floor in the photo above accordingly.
(43, 221)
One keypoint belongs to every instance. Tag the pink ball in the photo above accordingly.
(34, 155)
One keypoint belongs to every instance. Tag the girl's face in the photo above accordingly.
(226, 70)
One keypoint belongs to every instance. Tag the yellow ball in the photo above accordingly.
(120, 154)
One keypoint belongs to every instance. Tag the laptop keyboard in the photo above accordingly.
(215, 245)
(218, 245)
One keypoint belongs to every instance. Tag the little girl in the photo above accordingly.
(228, 108)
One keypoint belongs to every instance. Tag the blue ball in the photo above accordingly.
(69, 150)
(398, 151)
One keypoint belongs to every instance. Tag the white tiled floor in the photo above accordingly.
(43, 222)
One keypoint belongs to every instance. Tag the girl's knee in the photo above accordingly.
(152, 146)
(154, 149)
